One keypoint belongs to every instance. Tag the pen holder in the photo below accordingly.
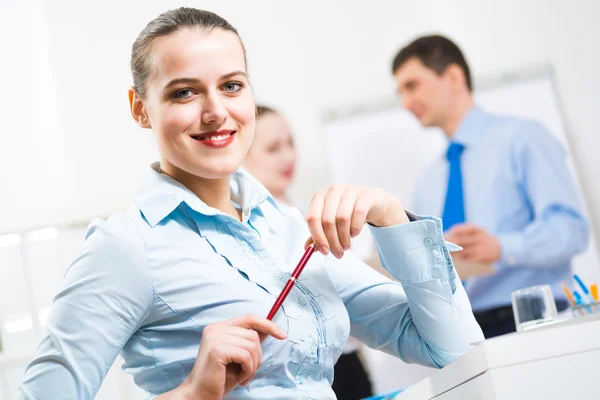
(586, 309)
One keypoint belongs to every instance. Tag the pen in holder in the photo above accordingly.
(581, 310)
(587, 303)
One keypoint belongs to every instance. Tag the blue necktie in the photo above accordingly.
(454, 207)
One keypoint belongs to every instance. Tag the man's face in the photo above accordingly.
(424, 93)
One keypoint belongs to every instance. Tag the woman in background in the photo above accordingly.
(272, 160)
(272, 156)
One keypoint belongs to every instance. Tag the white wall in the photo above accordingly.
(33, 143)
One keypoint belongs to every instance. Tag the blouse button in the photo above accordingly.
(278, 276)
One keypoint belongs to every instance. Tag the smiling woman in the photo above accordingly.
(175, 283)
(200, 92)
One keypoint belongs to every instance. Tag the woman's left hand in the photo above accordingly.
(337, 214)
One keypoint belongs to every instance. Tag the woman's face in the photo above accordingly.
(272, 158)
(198, 103)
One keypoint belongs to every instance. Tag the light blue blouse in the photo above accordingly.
(148, 281)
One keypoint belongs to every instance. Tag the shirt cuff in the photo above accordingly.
(416, 252)
(511, 248)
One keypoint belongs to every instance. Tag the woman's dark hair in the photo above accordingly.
(165, 24)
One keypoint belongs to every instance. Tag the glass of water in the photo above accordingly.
(533, 306)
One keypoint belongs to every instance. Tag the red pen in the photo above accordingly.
(288, 286)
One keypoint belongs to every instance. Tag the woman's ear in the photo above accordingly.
(138, 109)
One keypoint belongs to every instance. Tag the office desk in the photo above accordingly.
(559, 361)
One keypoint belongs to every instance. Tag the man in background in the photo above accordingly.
(502, 187)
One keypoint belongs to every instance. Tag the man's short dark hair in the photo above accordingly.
(435, 52)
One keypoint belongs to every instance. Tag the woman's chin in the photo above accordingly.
(221, 171)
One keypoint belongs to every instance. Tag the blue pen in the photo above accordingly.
(579, 301)
(586, 291)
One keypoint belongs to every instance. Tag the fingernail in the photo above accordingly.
(346, 248)
(324, 250)
(338, 255)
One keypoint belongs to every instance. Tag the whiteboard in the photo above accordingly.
(384, 146)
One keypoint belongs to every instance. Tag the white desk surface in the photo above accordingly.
(520, 362)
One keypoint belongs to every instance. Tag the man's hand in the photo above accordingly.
(479, 245)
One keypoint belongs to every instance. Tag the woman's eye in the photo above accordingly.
(182, 94)
(273, 148)
(232, 87)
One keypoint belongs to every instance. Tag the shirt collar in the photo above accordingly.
(160, 195)
(471, 127)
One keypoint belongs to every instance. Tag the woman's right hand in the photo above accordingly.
(230, 353)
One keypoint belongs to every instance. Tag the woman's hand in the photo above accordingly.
(338, 214)
(230, 353)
